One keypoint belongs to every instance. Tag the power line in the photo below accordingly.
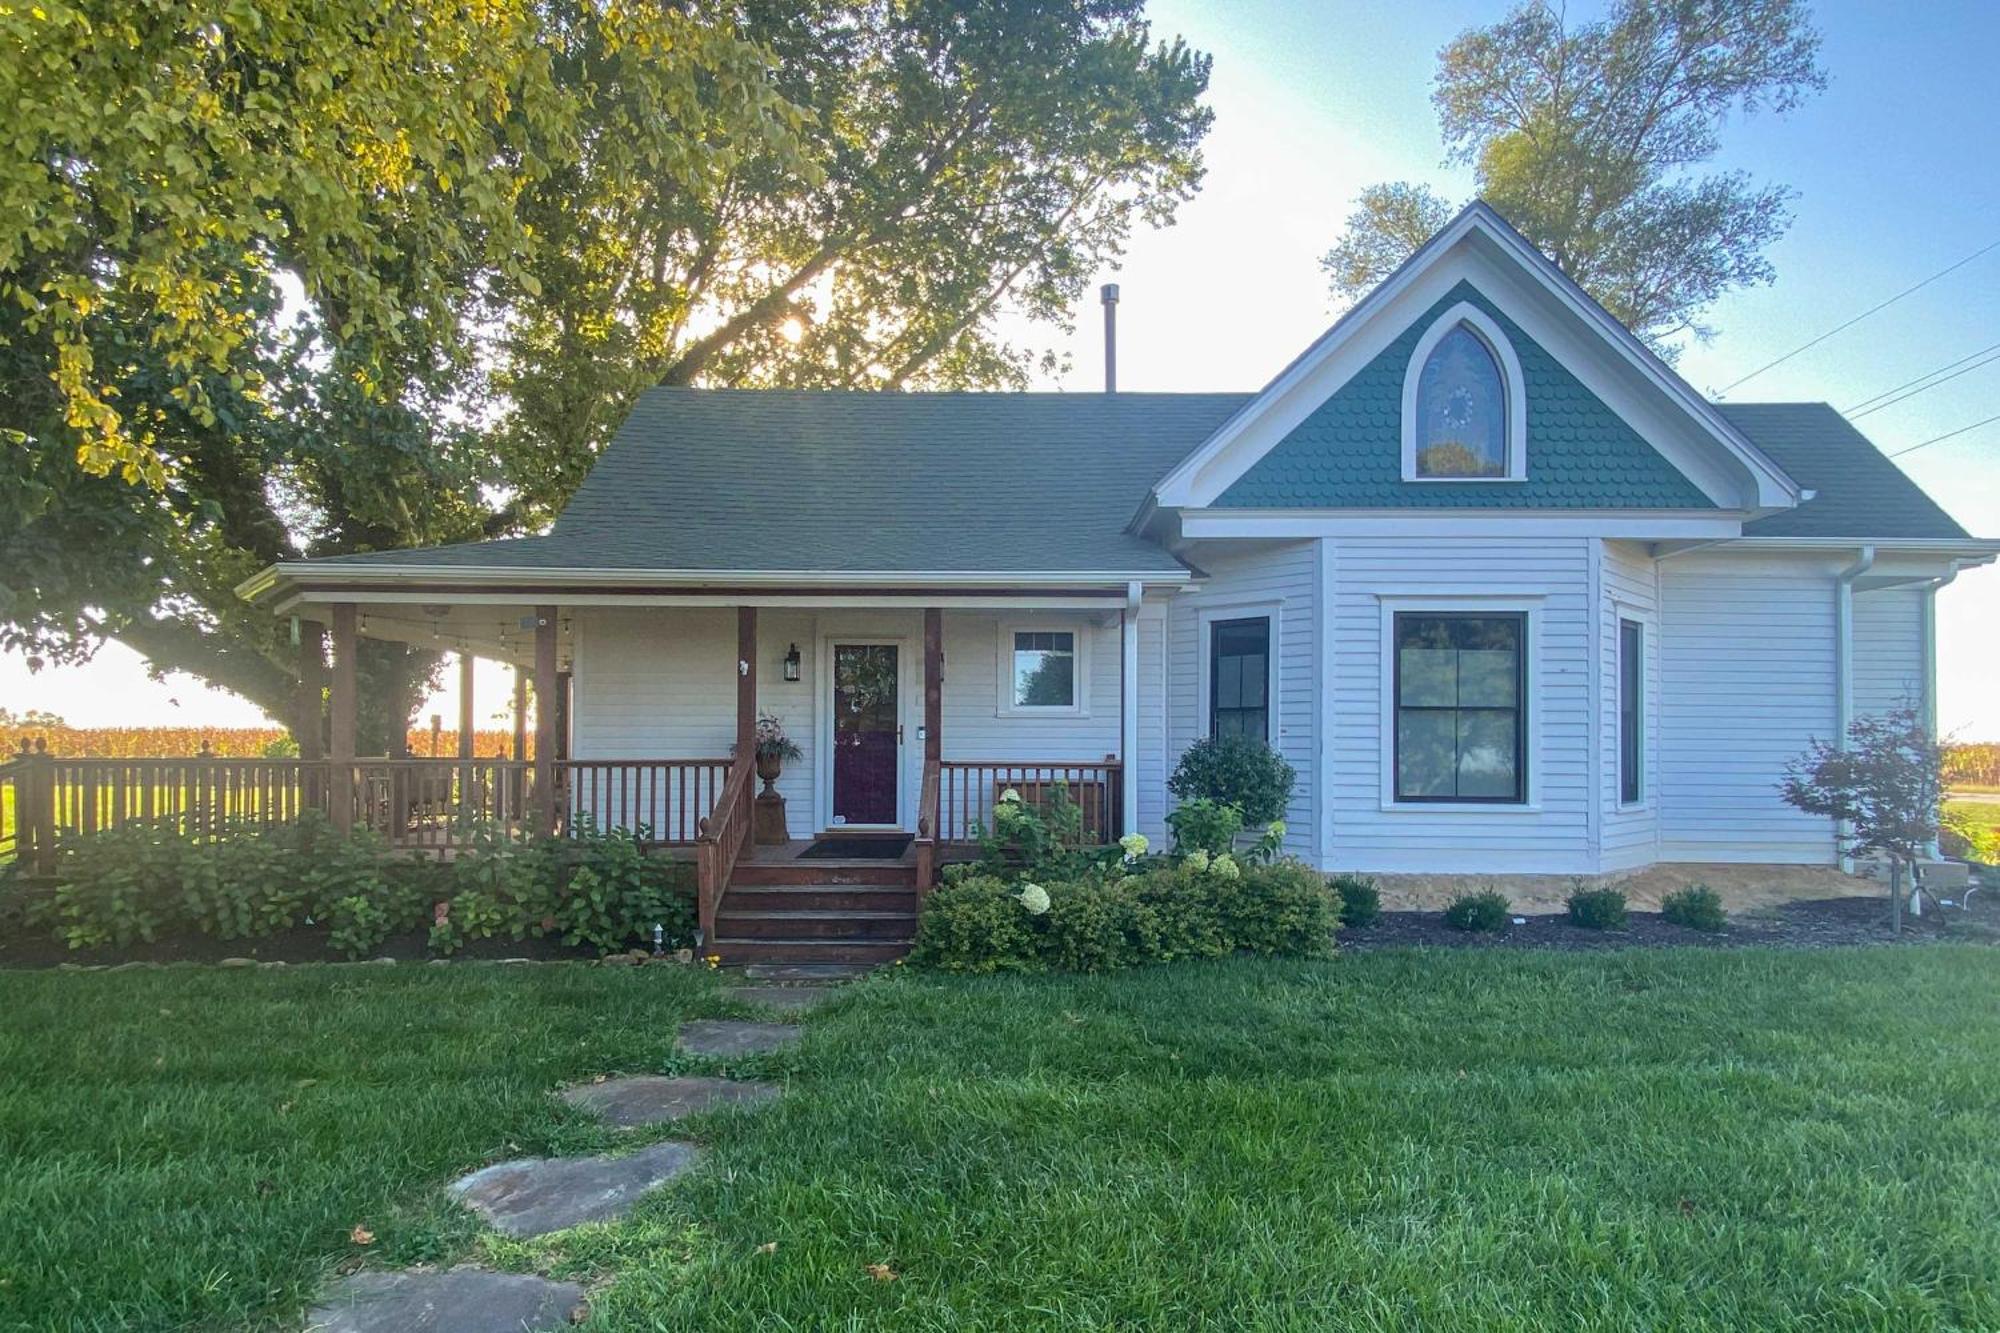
(1926, 388)
(1884, 305)
(1868, 404)
(1939, 439)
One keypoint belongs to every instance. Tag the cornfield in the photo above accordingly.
(1972, 765)
(223, 742)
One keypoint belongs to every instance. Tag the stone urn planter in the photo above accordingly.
(774, 747)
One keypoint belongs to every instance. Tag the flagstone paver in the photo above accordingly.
(782, 997)
(804, 971)
(537, 1195)
(651, 1100)
(732, 1036)
(459, 1300)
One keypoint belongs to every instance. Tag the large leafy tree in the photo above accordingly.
(963, 160)
(412, 317)
(1587, 138)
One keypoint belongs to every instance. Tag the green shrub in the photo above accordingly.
(123, 885)
(1202, 825)
(1039, 841)
(615, 894)
(1479, 911)
(1282, 910)
(1235, 770)
(976, 923)
(1597, 909)
(1697, 906)
(1360, 899)
(1203, 907)
(1964, 837)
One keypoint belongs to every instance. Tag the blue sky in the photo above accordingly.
(1896, 169)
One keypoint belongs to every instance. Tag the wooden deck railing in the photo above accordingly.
(970, 790)
(662, 800)
(433, 804)
(927, 826)
(721, 841)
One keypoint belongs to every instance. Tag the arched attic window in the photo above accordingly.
(1465, 407)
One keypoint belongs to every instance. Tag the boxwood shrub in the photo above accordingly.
(1103, 923)
(1487, 910)
(1697, 906)
(1597, 909)
(1360, 899)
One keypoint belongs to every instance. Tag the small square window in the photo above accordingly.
(1044, 669)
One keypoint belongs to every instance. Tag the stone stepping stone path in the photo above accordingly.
(537, 1195)
(459, 1300)
(808, 972)
(782, 997)
(631, 1103)
(735, 1036)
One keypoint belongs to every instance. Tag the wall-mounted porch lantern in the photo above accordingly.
(792, 663)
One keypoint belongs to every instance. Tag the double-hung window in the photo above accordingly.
(1239, 677)
(1461, 707)
(1631, 711)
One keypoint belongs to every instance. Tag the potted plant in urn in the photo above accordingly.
(773, 748)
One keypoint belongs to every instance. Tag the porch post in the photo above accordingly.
(746, 683)
(933, 685)
(546, 719)
(465, 710)
(309, 720)
(1128, 711)
(520, 713)
(340, 791)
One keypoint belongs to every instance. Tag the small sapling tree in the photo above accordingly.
(1885, 788)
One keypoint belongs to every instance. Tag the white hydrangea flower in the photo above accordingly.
(1010, 797)
(1197, 861)
(1224, 866)
(1277, 830)
(1135, 845)
(1035, 898)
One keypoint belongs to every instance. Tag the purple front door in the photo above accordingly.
(866, 735)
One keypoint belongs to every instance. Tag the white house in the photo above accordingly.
(1508, 593)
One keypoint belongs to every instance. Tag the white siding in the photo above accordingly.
(1746, 681)
(1281, 579)
(1551, 835)
(1888, 649)
(1151, 769)
(661, 684)
(1628, 837)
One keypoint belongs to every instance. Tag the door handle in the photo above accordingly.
(899, 733)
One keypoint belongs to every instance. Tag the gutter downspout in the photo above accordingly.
(1128, 709)
(1930, 668)
(1843, 668)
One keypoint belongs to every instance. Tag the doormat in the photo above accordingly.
(887, 847)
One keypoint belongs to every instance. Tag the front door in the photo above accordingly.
(867, 736)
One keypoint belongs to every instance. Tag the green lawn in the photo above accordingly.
(1635, 1140)
(1984, 813)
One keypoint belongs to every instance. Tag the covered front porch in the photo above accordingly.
(912, 714)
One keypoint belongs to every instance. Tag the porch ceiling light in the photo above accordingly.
(792, 663)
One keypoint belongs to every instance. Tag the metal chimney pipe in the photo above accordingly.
(1109, 295)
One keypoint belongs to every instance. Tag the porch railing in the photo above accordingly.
(432, 804)
(723, 836)
(970, 790)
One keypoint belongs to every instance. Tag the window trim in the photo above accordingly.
(1626, 615)
(1207, 614)
(1529, 608)
(1209, 682)
(1513, 383)
(1004, 645)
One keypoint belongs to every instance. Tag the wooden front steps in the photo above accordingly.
(817, 912)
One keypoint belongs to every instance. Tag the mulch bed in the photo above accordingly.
(1817, 924)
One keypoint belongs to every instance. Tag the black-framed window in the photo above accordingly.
(1631, 710)
(1239, 677)
(1461, 707)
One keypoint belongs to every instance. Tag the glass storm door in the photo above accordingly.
(866, 734)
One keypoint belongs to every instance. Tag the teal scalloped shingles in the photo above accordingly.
(1348, 453)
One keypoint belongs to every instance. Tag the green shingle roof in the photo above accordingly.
(890, 483)
(1348, 453)
(795, 480)
(1861, 493)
